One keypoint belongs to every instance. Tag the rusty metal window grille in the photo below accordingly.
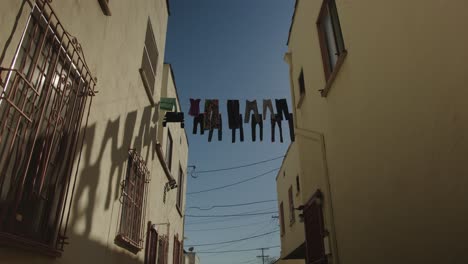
(151, 248)
(45, 98)
(163, 248)
(176, 250)
(134, 190)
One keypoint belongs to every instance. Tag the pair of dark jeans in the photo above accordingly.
(282, 107)
(233, 114)
(200, 119)
(274, 122)
(220, 130)
(241, 131)
(254, 127)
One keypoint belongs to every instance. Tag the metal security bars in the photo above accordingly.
(45, 99)
(134, 192)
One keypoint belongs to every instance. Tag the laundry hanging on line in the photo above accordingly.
(211, 119)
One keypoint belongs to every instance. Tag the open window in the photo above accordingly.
(149, 62)
(331, 41)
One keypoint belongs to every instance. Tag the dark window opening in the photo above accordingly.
(169, 146)
(149, 61)
(298, 184)
(282, 219)
(292, 213)
(301, 83)
(151, 248)
(180, 191)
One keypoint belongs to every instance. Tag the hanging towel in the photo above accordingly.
(168, 104)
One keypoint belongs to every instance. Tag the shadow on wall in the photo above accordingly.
(91, 169)
(84, 250)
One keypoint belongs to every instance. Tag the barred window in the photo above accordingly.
(151, 248)
(44, 102)
(163, 249)
(134, 191)
(177, 251)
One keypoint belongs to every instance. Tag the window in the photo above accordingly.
(149, 62)
(331, 39)
(133, 203)
(301, 84)
(180, 191)
(105, 7)
(282, 219)
(292, 212)
(45, 96)
(151, 245)
(169, 146)
(163, 248)
(177, 251)
(298, 184)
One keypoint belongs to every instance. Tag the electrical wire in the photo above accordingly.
(240, 250)
(230, 205)
(246, 214)
(226, 228)
(232, 168)
(233, 184)
(229, 218)
(226, 242)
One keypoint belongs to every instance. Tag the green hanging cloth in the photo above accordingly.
(168, 104)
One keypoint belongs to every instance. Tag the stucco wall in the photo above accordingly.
(293, 236)
(394, 126)
(121, 118)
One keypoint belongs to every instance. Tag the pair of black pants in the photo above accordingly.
(276, 120)
(233, 114)
(254, 127)
(291, 127)
(220, 130)
(282, 107)
(200, 119)
(241, 131)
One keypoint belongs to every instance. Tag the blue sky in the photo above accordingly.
(231, 49)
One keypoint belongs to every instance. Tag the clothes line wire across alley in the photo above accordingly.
(226, 242)
(194, 171)
(234, 184)
(230, 205)
(229, 219)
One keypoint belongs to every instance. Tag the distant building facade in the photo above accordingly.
(88, 172)
(379, 98)
(191, 258)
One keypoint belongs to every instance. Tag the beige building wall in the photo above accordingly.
(292, 239)
(121, 118)
(388, 145)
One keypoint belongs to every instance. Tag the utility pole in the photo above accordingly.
(263, 255)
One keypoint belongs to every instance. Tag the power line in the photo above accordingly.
(226, 242)
(237, 167)
(233, 184)
(230, 205)
(240, 250)
(246, 214)
(225, 228)
(230, 218)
